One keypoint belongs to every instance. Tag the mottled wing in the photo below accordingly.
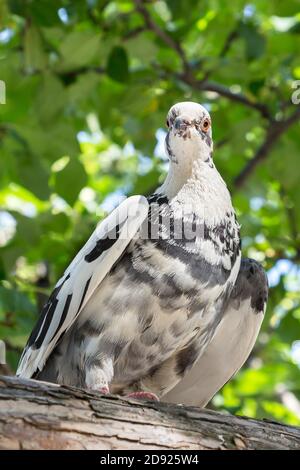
(93, 262)
(232, 342)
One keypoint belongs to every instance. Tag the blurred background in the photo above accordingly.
(88, 84)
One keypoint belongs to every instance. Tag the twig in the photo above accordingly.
(187, 75)
(238, 97)
(274, 132)
(71, 75)
(204, 85)
(228, 42)
(134, 32)
(275, 128)
(165, 37)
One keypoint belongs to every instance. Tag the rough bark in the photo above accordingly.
(38, 415)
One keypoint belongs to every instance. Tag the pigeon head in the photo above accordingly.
(189, 134)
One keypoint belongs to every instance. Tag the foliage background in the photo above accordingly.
(88, 84)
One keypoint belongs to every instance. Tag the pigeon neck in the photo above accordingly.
(177, 176)
(199, 187)
(182, 172)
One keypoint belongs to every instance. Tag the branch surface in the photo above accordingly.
(38, 415)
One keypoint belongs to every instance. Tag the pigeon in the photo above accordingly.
(158, 303)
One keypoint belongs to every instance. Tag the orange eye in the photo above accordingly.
(205, 125)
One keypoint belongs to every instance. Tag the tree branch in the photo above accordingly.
(134, 32)
(205, 85)
(187, 76)
(238, 97)
(275, 128)
(165, 37)
(39, 415)
(274, 132)
(228, 42)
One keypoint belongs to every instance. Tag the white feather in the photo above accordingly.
(129, 215)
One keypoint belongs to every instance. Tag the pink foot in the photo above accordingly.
(143, 396)
(104, 390)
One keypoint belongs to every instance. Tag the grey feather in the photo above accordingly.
(150, 309)
(233, 340)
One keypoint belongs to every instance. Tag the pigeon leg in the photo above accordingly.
(99, 374)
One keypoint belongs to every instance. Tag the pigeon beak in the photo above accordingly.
(181, 124)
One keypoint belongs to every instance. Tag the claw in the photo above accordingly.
(104, 390)
(143, 396)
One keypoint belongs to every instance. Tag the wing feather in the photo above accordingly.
(87, 270)
(233, 340)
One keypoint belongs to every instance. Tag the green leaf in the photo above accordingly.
(26, 168)
(3, 14)
(69, 181)
(45, 13)
(289, 328)
(33, 175)
(52, 141)
(142, 48)
(13, 301)
(57, 223)
(78, 49)
(18, 7)
(117, 64)
(46, 106)
(34, 55)
(255, 42)
(28, 232)
(295, 29)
